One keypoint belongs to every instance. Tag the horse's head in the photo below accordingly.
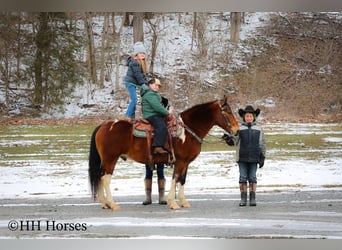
(227, 120)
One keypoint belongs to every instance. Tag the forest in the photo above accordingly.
(287, 63)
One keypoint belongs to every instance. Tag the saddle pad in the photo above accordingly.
(142, 133)
(139, 133)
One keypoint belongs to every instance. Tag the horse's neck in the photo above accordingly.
(199, 122)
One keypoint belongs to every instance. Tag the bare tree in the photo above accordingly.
(117, 43)
(236, 19)
(104, 45)
(138, 27)
(91, 62)
(155, 32)
(198, 33)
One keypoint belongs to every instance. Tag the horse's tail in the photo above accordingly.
(95, 166)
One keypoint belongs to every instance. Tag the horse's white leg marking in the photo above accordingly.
(171, 196)
(101, 197)
(109, 198)
(181, 197)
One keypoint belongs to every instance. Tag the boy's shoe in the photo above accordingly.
(243, 201)
(252, 201)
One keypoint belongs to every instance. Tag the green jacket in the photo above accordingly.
(151, 102)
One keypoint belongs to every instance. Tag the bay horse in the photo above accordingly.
(110, 140)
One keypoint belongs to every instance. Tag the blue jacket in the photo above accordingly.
(135, 74)
(250, 143)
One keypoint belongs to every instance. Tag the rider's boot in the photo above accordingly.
(161, 189)
(148, 192)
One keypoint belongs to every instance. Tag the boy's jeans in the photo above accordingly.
(247, 172)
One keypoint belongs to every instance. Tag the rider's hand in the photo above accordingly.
(171, 110)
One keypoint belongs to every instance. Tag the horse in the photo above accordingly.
(114, 139)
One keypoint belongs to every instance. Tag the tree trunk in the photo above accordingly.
(153, 27)
(194, 25)
(235, 25)
(138, 27)
(117, 42)
(43, 41)
(103, 49)
(90, 48)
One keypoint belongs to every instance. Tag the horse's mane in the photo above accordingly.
(197, 107)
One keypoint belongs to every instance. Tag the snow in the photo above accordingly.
(39, 179)
(210, 173)
(176, 50)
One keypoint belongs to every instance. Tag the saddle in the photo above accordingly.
(142, 128)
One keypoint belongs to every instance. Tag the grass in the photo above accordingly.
(63, 143)
(71, 142)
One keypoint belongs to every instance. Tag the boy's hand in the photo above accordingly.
(229, 140)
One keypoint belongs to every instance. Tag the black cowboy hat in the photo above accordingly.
(249, 109)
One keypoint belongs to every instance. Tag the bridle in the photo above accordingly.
(224, 111)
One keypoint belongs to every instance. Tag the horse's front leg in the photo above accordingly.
(171, 196)
(108, 201)
(181, 197)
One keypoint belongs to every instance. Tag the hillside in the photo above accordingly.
(287, 64)
(300, 76)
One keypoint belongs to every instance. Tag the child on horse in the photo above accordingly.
(251, 150)
(135, 76)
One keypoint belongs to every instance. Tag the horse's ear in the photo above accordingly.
(225, 99)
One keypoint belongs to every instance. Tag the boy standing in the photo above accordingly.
(251, 150)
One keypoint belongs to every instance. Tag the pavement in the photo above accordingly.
(315, 214)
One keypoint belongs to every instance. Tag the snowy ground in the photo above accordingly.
(212, 172)
(298, 192)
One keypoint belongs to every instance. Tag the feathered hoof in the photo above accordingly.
(115, 207)
(174, 206)
(186, 205)
(105, 206)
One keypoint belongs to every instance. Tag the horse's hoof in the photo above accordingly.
(105, 206)
(174, 206)
(116, 207)
(186, 205)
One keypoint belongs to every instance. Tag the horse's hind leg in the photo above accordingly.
(101, 195)
(108, 201)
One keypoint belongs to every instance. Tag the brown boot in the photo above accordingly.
(148, 192)
(159, 150)
(161, 188)
(243, 191)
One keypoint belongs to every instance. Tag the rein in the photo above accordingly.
(199, 139)
(222, 112)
